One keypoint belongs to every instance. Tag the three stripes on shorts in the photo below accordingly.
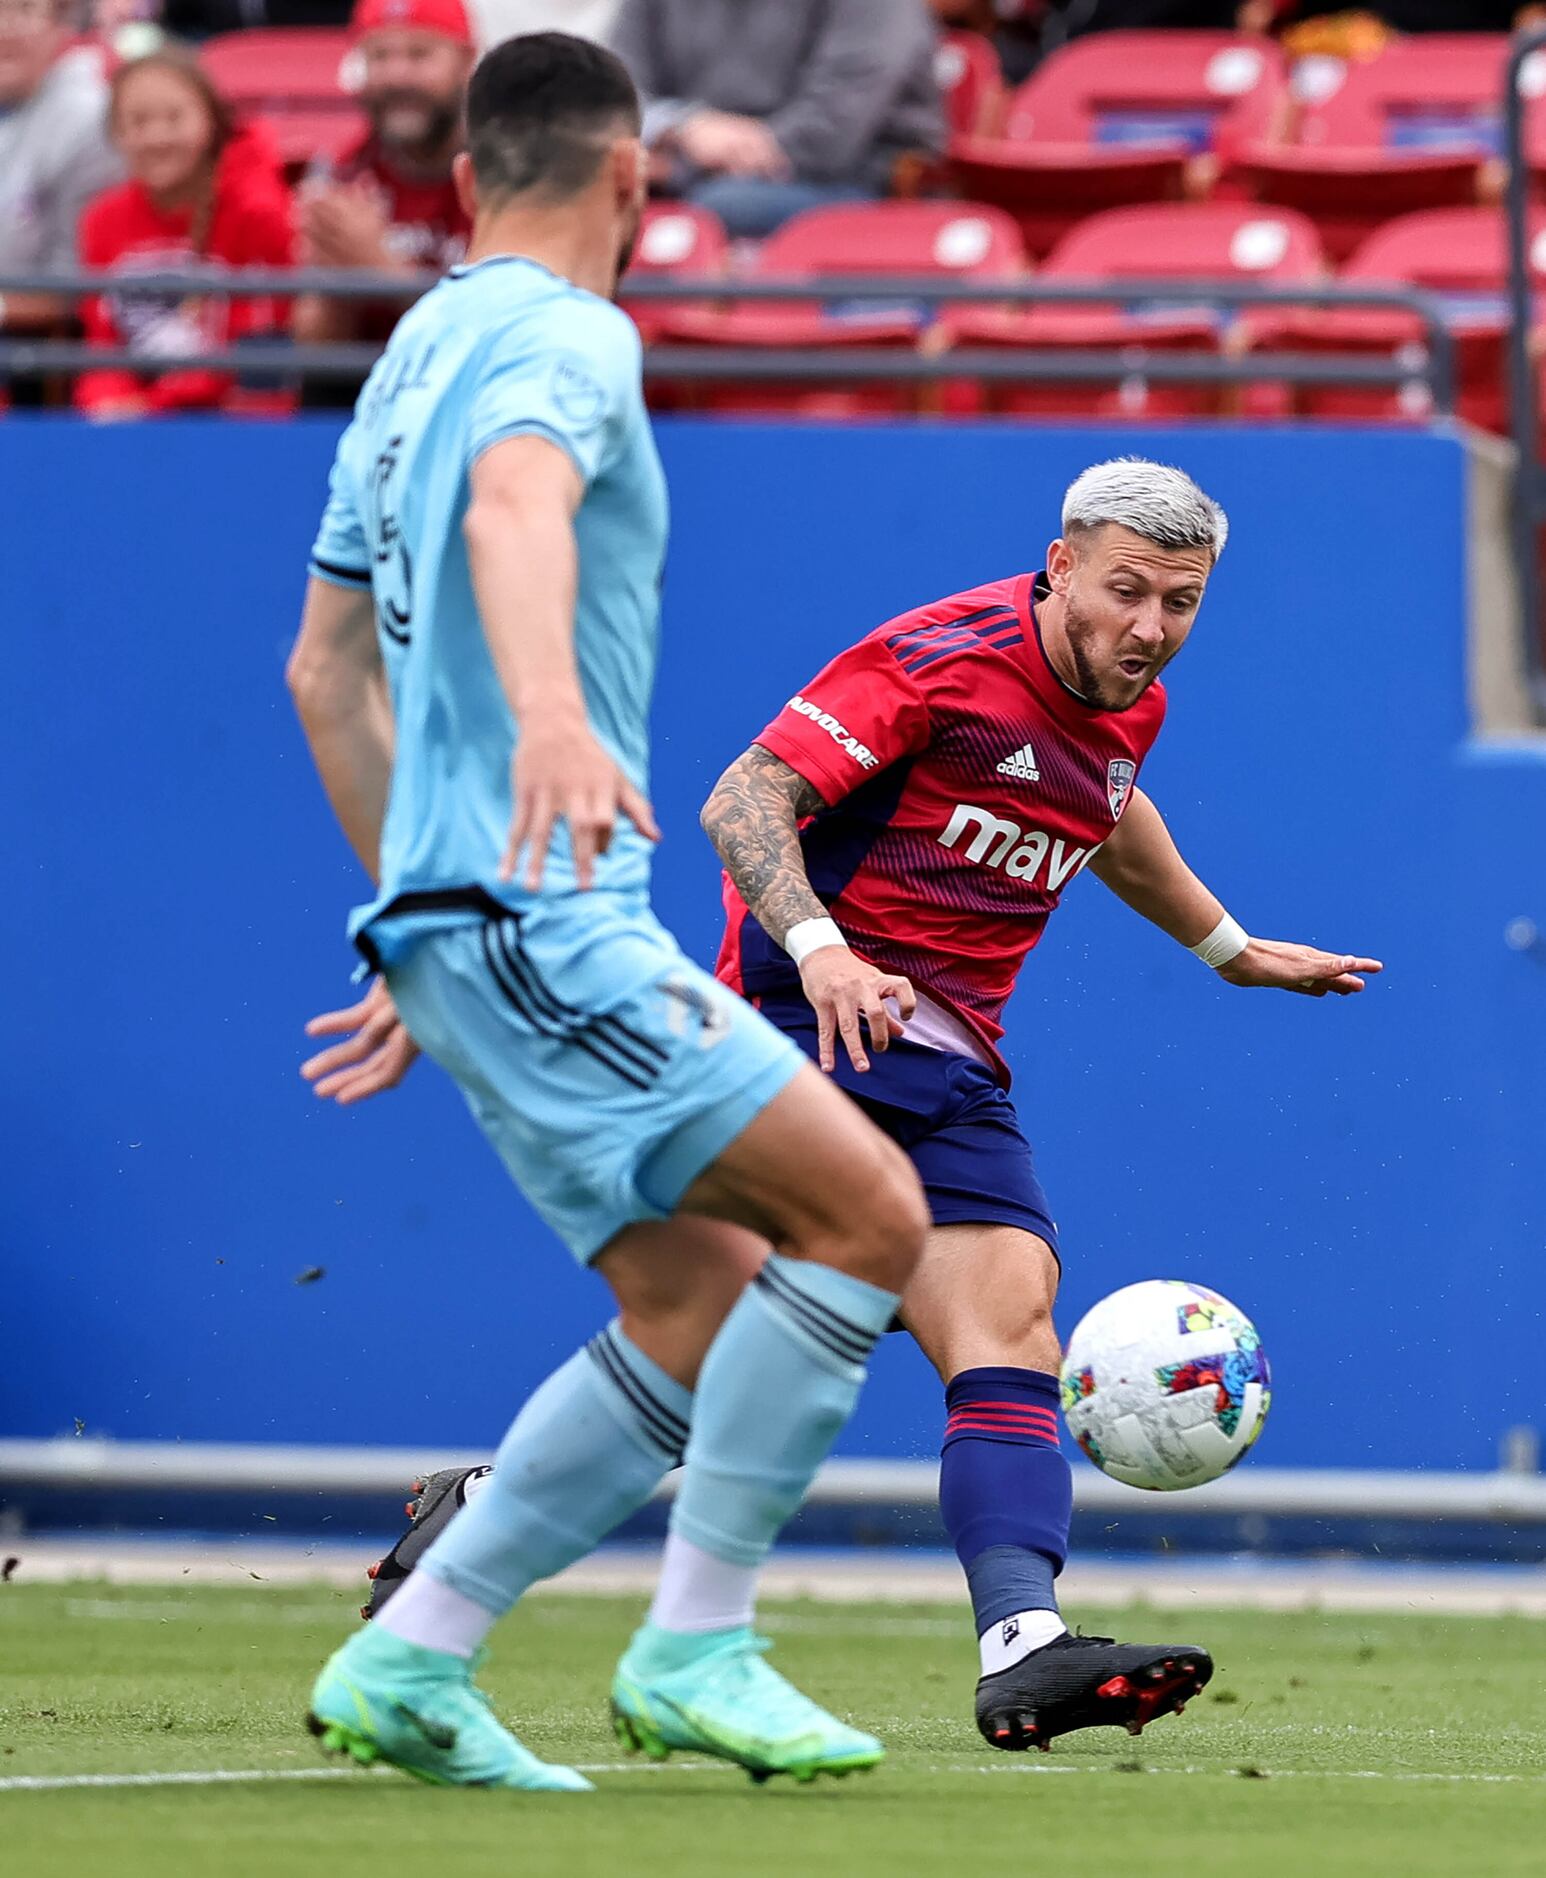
(637, 1059)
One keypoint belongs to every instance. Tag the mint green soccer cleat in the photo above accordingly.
(380, 1699)
(715, 1695)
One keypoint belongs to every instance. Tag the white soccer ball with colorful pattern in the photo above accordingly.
(1165, 1384)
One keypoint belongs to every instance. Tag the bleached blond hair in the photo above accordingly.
(1154, 500)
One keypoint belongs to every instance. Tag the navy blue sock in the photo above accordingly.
(1006, 1492)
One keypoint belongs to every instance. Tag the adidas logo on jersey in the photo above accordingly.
(1021, 767)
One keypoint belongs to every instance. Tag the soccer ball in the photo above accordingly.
(1165, 1384)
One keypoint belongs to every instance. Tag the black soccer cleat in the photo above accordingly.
(435, 1501)
(1087, 1682)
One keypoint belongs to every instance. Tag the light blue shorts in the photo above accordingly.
(606, 1068)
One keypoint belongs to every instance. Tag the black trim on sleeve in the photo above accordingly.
(350, 576)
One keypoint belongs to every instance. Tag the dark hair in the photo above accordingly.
(184, 65)
(540, 109)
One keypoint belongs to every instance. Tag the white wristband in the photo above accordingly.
(1227, 941)
(809, 936)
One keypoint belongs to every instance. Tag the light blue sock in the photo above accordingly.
(589, 1448)
(777, 1385)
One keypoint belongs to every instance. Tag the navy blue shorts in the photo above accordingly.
(952, 1120)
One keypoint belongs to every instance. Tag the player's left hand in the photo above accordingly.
(1279, 965)
(376, 1053)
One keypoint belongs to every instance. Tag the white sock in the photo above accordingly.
(426, 1612)
(1004, 1643)
(697, 1591)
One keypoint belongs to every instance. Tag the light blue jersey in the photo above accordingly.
(503, 348)
(605, 1067)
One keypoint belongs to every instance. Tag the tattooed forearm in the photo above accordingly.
(753, 819)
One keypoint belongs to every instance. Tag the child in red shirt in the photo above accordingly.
(199, 190)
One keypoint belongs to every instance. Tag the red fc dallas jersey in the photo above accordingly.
(965, 786)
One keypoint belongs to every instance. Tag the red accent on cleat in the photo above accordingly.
(1117, 1687)
(1169, 1696)
(410, 1508)
(371, 1570)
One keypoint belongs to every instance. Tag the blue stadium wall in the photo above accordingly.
(1367, 1178)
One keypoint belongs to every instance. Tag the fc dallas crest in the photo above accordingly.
(1120, 772)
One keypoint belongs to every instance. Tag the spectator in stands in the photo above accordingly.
(199, 191)
(760, 108)
(389, 206)
(54, 149)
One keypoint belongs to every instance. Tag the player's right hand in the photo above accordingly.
(376, 1053)
(842, 989)
(561, 773)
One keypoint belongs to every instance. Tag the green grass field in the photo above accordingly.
(1326, 1745)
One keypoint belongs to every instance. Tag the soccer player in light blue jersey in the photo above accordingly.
(473, 672)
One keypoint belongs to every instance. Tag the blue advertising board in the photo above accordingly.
(1366, 1177)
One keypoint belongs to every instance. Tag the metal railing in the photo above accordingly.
(1432, 366)
(1529, 498)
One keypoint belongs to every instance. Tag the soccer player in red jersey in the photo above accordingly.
(894, 842)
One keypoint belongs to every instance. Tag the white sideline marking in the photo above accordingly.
(224, 1776)
(55, 1783)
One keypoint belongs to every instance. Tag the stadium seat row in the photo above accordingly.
(1111, 119)
(1459, 255)
(1136, 117)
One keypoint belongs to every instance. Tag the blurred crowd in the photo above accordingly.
(117, 151)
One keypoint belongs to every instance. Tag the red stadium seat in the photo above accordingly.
(971, 84)
(1461, 255)
(680, 238)
(297, 78)
(1411, 129)
(1208, 240)
(676, 239)
(917, 238)
(279, 66)
(1122, 117)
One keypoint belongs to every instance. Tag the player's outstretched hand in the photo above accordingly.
(560, 773)
(842, 989)
(376, 1053)
(1280, 965)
